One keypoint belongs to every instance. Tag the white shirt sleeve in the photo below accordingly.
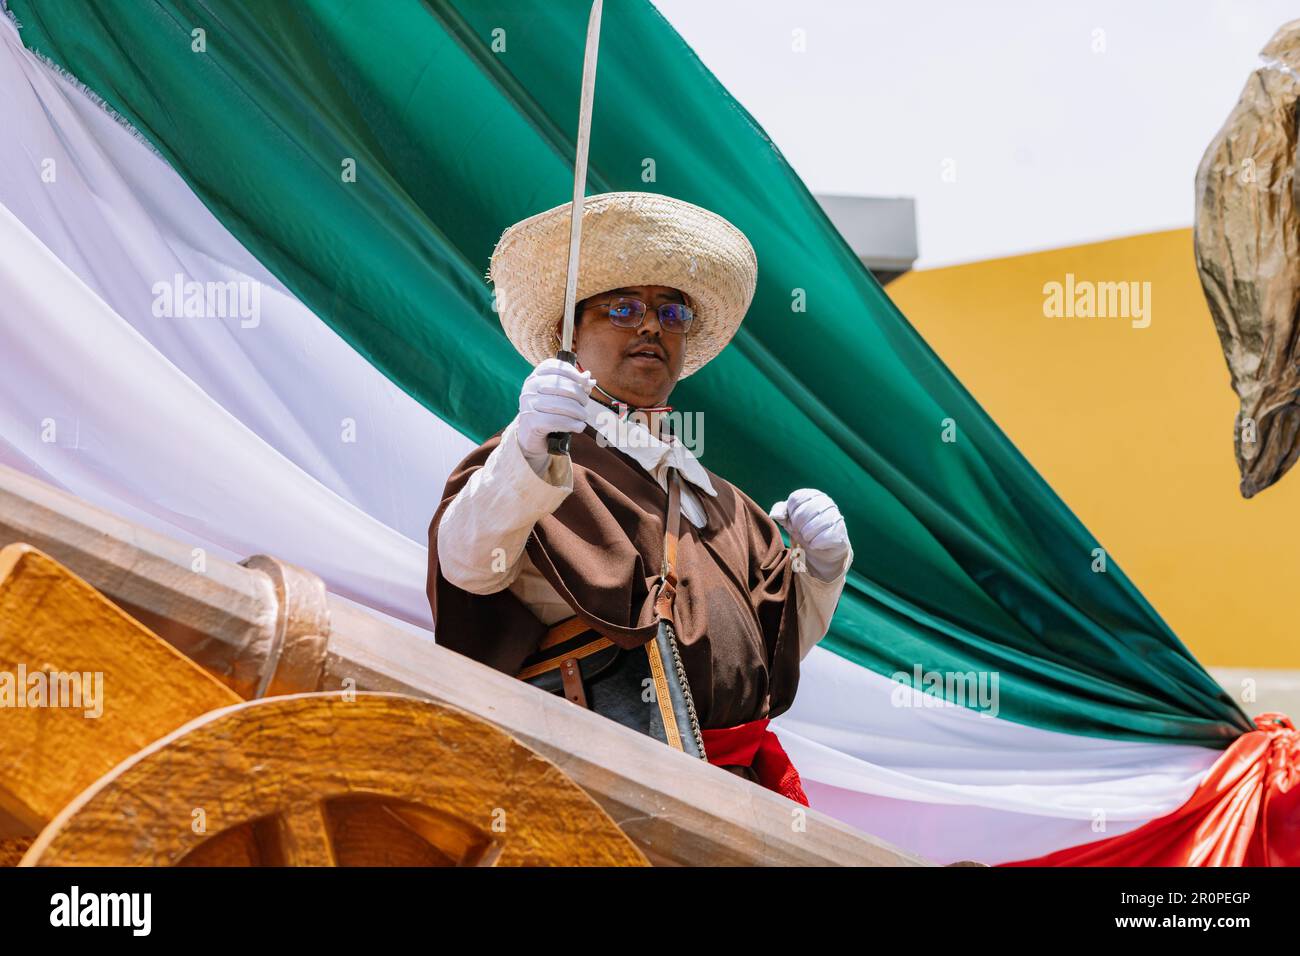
(815, 601)
(483, 531)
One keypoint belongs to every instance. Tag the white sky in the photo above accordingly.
(1053, 144)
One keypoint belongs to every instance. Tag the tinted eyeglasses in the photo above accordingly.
(628, 313)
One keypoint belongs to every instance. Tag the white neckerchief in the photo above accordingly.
(654, 455)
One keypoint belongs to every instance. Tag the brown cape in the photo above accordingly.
(602, 550)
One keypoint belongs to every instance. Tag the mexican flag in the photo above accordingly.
(242, 301)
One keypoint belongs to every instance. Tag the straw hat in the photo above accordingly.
(628, 239)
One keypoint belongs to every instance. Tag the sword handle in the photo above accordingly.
(557, 443)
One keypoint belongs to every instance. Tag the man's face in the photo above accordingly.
(641, 365)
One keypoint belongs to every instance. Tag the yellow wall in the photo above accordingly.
(1133, 428)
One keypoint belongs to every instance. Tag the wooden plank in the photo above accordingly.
(212, 610)
(102, 685)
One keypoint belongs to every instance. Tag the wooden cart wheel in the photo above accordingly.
(323, 780)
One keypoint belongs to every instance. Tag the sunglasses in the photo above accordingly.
(627, 313)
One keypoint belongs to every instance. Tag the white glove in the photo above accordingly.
(816, 526)
(553, 399)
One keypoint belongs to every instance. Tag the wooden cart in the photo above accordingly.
(178, 709)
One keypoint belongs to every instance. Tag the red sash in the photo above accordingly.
(753, 745)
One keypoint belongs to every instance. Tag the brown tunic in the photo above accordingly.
(602, 549)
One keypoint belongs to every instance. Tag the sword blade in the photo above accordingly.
(580, 169)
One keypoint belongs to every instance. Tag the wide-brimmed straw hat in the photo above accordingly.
(628, 239)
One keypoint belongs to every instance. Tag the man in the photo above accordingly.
(527, 543)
